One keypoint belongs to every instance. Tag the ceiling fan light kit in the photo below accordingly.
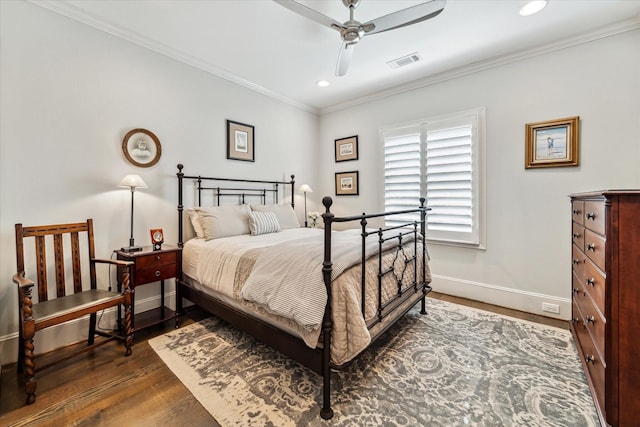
(353, 31)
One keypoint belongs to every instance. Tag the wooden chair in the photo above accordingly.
(69, 303)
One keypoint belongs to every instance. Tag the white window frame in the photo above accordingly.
(476, 117)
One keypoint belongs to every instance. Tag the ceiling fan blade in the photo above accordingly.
(344, 58)
(309, 13)
(402, 18)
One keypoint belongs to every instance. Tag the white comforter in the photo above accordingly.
(240, 266)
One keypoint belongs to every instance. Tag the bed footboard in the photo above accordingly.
(409, 230)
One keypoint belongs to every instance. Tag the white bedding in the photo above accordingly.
(213, 263)
(225, 265)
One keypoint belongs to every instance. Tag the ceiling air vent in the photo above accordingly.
(405, 60)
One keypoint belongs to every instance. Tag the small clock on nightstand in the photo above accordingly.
(157, 238)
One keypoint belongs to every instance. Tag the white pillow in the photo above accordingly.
(224, 221)
(263, 223)
(285, 214)
(194, 221)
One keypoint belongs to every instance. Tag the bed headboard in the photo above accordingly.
(239, 190)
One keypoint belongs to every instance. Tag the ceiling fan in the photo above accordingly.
(352, 31)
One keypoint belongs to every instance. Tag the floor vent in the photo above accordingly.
(405, 60)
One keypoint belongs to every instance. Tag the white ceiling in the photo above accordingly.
(267, 47)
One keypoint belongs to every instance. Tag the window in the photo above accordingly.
(440, 159)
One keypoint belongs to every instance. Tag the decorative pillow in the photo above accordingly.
(194, 220)
(285, 214)
(224, 221)
(263, 223)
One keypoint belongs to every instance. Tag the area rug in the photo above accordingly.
(454, 366)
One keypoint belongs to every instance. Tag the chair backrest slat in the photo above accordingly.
(59, 262)
(57, 231)
(75, 253)
(41, 268)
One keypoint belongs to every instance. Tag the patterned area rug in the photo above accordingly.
(453, 366)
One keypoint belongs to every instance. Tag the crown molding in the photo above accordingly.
(465, 70)
(81, 16)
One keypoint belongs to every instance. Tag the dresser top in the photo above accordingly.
(604, 193)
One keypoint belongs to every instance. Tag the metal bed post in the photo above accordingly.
(423, 221)
(327, 267)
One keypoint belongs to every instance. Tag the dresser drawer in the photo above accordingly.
(594, 282)
(591, 358)
(156, 259)
(594, 248)
(577, 235)
(577, 211)
(593, 322)
(578, 260)
(594, 216)
(160, 272)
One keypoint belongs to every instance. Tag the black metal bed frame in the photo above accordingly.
(317, 359)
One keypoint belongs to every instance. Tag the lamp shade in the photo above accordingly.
(132, 181)
(304, 188)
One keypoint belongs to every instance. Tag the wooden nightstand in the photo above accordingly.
(151, 266)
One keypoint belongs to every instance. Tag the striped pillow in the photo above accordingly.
(263, 223)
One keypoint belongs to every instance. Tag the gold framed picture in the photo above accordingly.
(347, 183)
(240, 141)
(347, 148)
(141, 148)
(552, 144)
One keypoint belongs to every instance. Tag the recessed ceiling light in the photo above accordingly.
(532, 7)
(322, 83)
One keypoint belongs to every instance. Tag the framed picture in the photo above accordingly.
(141, 148)
(553, 143)
(347, 149)
(347, 183)
(240, 141)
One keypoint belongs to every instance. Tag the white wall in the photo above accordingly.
(527, 256)
(69, 95)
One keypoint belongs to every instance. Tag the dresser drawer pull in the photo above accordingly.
(576, 235)
(590, 319)
(590, 359)
(576, 261)
(158, 273)
(576, 211)
(591, 247)
(158, 257)
(575, 320)
(591, 216)
(591, 282)
(576, 290)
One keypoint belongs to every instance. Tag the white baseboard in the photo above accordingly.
(73, 331)
(529, 302)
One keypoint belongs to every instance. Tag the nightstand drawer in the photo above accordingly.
(155, 273)
(155, 260)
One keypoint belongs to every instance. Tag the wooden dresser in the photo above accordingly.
(605, 318)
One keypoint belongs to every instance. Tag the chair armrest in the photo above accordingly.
(117, 262)
(22, 281)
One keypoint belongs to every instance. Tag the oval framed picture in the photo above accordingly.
(141, 148)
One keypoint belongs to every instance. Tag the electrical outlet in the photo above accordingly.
(551, 308)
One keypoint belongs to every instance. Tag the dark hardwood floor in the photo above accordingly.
(105, 388)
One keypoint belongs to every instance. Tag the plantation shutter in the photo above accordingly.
(402, 172)
(450, 180)
(440, 161)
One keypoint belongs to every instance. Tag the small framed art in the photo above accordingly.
(347, 184)
(141, 148)
(552, 143)
(347, 149)
(240, 141)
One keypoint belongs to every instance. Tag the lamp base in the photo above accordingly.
(131, 249)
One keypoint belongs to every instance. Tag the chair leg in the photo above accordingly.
(29, 361)
(92, 329)
(128, 328)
